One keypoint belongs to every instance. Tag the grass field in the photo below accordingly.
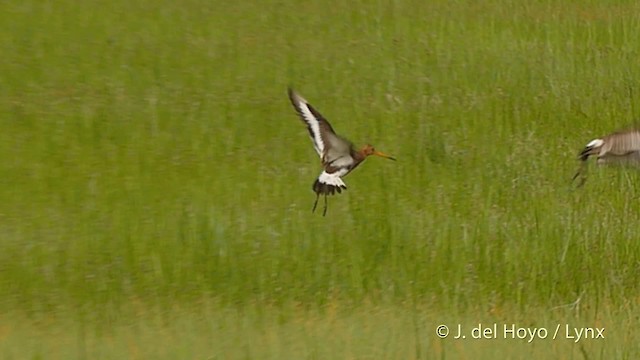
(156, 183)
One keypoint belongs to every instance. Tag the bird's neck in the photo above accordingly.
(359, 155)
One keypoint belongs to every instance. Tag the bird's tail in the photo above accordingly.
(328, 184)
(592, 148)
(586, 152)
(327, 189)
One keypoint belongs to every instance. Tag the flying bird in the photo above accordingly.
(337, 154)
(619, 148)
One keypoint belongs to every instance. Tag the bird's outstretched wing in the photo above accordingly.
(320, 130)
(621, 143)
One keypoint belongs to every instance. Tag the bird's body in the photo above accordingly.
(618, 148)
(337, 154)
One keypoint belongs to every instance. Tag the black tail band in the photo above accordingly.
(326, 189)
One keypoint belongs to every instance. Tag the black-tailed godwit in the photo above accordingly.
(621, 148)
(338, 155)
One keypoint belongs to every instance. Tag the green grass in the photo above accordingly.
(265, 332)
(155, 182)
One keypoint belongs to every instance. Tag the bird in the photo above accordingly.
(338, 155)
(619, 148)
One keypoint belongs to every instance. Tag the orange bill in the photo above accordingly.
(381, 154)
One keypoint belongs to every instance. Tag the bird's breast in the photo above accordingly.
(341, 161)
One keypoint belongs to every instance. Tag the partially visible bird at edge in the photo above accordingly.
(337, 154)
(619, 148)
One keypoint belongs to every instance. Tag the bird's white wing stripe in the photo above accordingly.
(314, 125)
(334, 178)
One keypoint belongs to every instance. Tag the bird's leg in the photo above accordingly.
(576, 175)
(324, 213)
(315, 203)
(582, 173)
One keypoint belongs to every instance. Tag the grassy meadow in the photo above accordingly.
(155, 198)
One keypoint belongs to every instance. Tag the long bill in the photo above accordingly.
(381, 154)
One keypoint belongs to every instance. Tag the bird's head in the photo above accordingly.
(369, 150)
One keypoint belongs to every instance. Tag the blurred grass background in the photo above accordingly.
(156, 182)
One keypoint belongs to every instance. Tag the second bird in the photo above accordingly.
(338, 155)
(621, 147)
